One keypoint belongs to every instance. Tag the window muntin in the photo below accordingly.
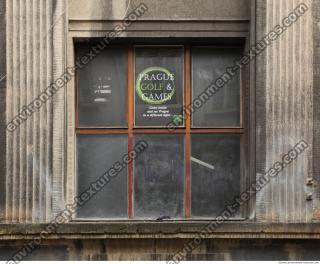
(187, 131)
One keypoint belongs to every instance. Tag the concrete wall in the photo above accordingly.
(35, 175)
(163, 249)
(160, 10)
(316, 106)
(35, 161)
(284, 96)
(2, 107)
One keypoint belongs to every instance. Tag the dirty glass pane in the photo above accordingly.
(159, 177)
(221, 109)
(215, 173)
(96, 155)
(102, 88)
(158, 86)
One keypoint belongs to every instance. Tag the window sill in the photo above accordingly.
(164, 229)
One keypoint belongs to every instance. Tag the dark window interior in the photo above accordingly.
(131, 92)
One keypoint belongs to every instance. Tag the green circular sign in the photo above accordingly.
(155, 85)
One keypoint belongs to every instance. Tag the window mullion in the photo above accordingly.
(187, 82)
(130, 129)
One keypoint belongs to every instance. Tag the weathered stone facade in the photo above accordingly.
(37, 164)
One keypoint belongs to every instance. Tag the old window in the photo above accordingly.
(129, 94)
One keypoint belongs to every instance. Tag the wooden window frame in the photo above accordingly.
(187, 130)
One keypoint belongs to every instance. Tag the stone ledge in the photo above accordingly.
(167, 229)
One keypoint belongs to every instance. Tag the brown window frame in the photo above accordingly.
(187, 130)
